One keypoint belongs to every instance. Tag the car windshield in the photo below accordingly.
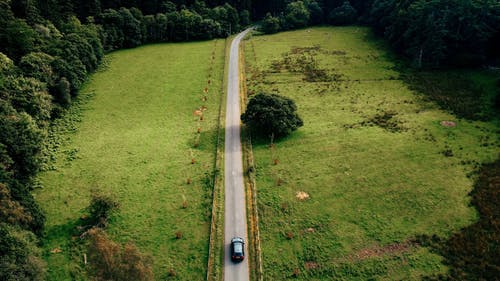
(238, 247)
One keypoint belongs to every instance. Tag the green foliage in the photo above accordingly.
(438, 32)
(131, 26)
(296, 15)
(63, 92)
(11, 211)
(22, 140)
(17, 37)
(101, 207)
(27, 95)
(38, 66)
(20, 259)
(6, 65)
(343, 15)
(244, 17)
(271, 114)
(316, 12)
(270, 24)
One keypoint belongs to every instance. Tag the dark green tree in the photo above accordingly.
(17, 38)
(38, 65)
(20, 258)
(244, 17)
(316, 12)
(270, 24)
(343, 15)
(271, 115)
(27, 95)
(296, 15)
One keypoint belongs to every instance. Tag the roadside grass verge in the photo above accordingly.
(140, 139)
(373, 167)
(216, 258)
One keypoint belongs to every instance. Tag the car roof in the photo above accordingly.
(237, 239)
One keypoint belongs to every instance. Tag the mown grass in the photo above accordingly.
(377, 164)
(137, 140)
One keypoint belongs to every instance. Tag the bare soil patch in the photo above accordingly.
(377, 251)
(448, 124)
(301, 195)
(309, 265)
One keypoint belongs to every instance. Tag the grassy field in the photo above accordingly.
(140, 140)
(377, 164)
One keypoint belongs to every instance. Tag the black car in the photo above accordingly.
(237, 249)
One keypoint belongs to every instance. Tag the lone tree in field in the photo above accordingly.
(271, 115)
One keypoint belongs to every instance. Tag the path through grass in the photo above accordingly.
(373, 157)
(138, 140)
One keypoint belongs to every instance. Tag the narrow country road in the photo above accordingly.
(235, 220)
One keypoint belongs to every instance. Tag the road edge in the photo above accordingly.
(215, 260)
(256, 271)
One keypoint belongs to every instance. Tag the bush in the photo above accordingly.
(101, 207)
(19, 255)
(110, 261)
(271, 115)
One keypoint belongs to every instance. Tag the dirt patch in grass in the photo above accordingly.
(386, 120)
(310, 265)
(301, 195)
(448, 124)
(377, 251)
(472, 253)
(304, 61)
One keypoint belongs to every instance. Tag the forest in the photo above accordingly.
(48, 49)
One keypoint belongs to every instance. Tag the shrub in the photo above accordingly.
(101, 207)
(110, 261)
(19, 255)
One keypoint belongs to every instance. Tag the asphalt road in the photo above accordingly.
(235, 222)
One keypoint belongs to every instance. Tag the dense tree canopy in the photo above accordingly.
(271, 114)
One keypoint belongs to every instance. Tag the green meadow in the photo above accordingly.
(140, 140)
(373, 167)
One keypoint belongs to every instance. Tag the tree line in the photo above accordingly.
(431, 33)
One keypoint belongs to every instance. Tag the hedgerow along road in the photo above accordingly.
(235, 222)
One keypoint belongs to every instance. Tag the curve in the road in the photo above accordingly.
(235, 220)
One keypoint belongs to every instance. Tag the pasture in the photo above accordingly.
(373, 167)
(146, 134)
